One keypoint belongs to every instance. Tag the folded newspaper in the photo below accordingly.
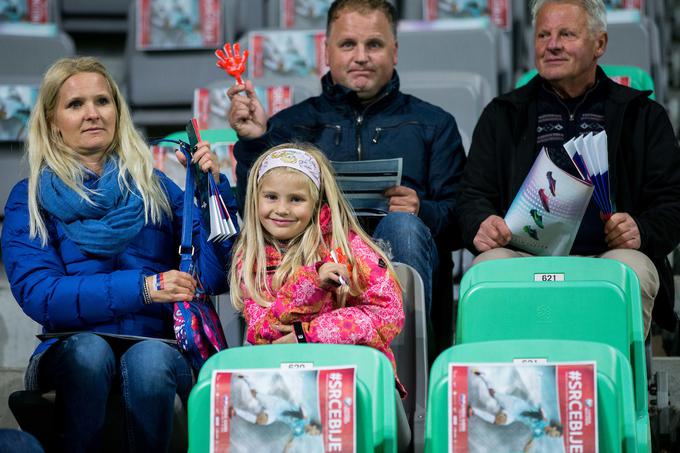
(310, 410)
(513, 407)
(364, 181)
(546, 214)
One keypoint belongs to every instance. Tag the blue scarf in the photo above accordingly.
(104, 228)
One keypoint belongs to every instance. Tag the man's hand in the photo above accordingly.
(246, 114)
(492, 233)
(403, 199)
(622, 232)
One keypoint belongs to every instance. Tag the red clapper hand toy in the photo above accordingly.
(233, 64)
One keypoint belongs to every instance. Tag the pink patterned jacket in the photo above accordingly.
(373, 318)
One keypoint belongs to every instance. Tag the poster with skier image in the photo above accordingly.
(288, 410)
(511, 407)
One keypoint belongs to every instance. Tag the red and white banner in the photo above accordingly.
(337, 400)
(38, 12)
(311, 410)
(220, 416)
(577, 392)
(536, 406)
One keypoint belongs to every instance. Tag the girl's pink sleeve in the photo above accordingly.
(301, 295)
(259, 326)
(373, 318)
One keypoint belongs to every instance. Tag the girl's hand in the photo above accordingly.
(175, 286)
(330, 273)
(207, 160)
(289, 337)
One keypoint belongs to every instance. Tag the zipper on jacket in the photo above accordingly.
(359, 120)
(376, 136)
(338, 131)
(379, 130)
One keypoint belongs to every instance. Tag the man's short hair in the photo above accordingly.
(595, 10)
(362, 6)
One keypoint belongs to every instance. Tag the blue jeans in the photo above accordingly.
(84, 368)
(411, 243)
(19, 442)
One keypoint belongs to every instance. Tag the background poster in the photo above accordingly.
(16, 103)
(295, 53)
(178, 24)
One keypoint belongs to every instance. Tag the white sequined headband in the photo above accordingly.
(293, 158)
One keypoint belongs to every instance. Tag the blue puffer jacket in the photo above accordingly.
(396, 125)
(65, 290)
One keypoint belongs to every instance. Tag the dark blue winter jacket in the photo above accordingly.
(395, 125)
(63, 289)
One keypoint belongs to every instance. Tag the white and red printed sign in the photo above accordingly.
(549, 407)
(311, 410)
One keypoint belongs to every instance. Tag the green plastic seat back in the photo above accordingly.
(376, 416)
(598, 300)
(210, 135)
(616, 406)
(634, 77)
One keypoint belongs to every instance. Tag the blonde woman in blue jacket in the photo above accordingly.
(90, 246)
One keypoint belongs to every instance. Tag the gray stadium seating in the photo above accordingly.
(471, 50)
(410, 351)
(161, 83)
(101, 16)
(463, 94)
(43, 51)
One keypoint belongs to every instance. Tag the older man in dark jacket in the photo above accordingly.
(569, 97)
(362, 115)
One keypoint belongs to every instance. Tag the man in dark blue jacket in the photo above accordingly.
(361, 114)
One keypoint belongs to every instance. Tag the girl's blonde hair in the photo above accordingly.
(303, 250)
(46, 148)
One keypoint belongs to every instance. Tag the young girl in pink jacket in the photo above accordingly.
(303, 269)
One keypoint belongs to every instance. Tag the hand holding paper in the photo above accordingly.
(333, 275)
(493, 233)
(403, 199)
(621, 232)
(221, 224)
(204, 158)
(234, 63)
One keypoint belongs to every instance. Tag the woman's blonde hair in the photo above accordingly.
(46, 149)
(249, 266)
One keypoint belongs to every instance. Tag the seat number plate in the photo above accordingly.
(548, 277)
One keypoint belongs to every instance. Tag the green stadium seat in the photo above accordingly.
(598, 300)
(616, 407)
(377, 414)
(631, 76)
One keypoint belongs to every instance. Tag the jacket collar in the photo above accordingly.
(617, 93)
(341, 95)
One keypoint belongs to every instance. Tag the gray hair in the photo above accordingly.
(595, 10)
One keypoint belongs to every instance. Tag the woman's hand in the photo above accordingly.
(174, 285)
(330, 274)
(206, 159)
